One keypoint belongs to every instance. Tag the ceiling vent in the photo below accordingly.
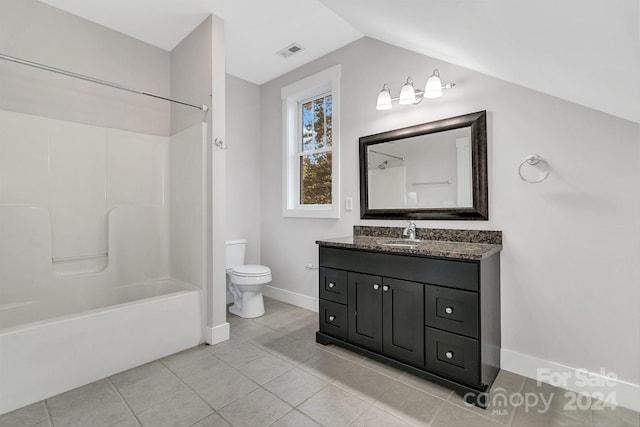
(290, 50)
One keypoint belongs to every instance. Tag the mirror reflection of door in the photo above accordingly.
(425, 171)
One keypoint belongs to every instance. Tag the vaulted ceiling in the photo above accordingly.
(587, 52)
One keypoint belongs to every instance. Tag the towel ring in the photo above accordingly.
(533, 160)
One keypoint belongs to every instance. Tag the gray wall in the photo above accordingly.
(191, 77)
(569, 267)
(243, 165)
(40, 33)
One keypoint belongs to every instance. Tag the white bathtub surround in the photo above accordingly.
(147, 321)
(143, 299)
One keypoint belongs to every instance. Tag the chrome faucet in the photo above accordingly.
(410, 231)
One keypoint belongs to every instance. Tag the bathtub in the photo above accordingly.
(87, 333)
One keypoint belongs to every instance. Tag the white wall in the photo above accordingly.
(40, 33)
(243, 165)
(187, 192)
(570, 272)
(198, 73)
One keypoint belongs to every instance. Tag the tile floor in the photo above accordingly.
(272, 373)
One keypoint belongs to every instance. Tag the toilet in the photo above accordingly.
(245, 282)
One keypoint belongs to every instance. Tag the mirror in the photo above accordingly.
(435, 170)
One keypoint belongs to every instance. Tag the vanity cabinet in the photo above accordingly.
(435, 317)
(386, 315)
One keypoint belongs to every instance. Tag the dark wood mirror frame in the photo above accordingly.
(480, 209)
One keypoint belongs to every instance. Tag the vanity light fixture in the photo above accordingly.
(411, 96)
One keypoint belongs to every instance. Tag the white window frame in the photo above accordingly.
(323, 83)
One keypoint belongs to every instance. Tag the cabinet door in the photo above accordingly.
(403, 314)
(365, 314)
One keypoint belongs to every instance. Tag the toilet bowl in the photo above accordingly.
(245, 282)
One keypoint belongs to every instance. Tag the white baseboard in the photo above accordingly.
(293, 298)
(217, 334)
(600, 385)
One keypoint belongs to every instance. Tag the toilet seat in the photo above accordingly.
(250, 270)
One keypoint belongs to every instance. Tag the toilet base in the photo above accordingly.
(251, 305)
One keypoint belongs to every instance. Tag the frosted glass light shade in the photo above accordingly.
(433, 89)
(408, 93)
(384, 99)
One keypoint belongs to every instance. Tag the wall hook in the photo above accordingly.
(218, 142)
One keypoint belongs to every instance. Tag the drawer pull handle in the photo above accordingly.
(332, 285)
(385, 288)
(449, 354)
(376, 286)
(332, 318)
(448, 310)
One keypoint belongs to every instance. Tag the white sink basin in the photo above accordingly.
(402, 243)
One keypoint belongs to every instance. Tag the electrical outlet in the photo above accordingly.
(348, 204)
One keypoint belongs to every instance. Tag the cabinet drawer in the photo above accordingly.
(452, 356)
(452, 310)
(333, 319)
(333, 285)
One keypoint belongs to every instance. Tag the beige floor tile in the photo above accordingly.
(271, 340)
(183, 409)
(265, 368)
(213, 420)
(533, 418)
(129, 422)
(295, 419)
(607, 416)
(295, 386)
(425, 385)
(236, 353)
(409, 404)
(193, 361)
(387, 370)
(563, 401)
(328, 366)
(364, 383)
(96, 404)
(333, 407)
(147, 385)
(374, 417)
(455, 416)
(507, 388)
(297, 352)
(26, 416)
(258, 408)
(221, 386)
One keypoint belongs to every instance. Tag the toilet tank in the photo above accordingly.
(235, 252)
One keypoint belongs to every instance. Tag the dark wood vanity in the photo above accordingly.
(432, 308)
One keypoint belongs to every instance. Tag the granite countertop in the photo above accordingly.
(434, 248)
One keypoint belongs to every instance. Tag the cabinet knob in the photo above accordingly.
(449, 354)
(448, 310)
(376, 286)
(332, 318)
(332, 285)
(385, 288)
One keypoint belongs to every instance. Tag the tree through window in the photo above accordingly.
(316, 150)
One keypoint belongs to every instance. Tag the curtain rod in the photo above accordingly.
(98, 81)
(385, 154)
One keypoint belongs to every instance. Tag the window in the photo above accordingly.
(311, 111)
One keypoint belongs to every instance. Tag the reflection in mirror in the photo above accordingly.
(425, 171)
(435, 170)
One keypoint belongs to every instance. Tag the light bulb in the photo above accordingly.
(384, 99)
(433, 89)
(408, 93)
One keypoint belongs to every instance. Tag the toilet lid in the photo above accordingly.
(251, 270)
